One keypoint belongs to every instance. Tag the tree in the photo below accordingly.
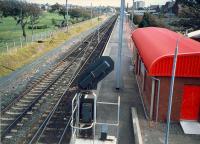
(76, 13)
(1, 12)
(189, 13)
(63, 11)
(21, 11)
(35, 12)
(55, 8)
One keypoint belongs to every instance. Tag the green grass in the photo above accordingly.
(16, 59)
(9, 31)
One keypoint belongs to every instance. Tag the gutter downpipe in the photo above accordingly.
(152, 98)
(158, 98)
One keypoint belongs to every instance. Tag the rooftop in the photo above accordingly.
(156, 47)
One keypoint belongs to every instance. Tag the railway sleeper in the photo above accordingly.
(32, 94)
(37, 104)
(12, 113)
(54, 129)
(6, 119)
(14, 130)
(24, 101)
(35, 108)
(8, 136)
(29, 113)
(25, 119)
(21, 104)
(39, 88)
(17, 108)
(42, 85)
(20, 124)
(47, 81)
(36, 91)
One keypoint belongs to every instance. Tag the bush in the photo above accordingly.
(53, 21)
(149, 20)
(137, 19)
(38, 27)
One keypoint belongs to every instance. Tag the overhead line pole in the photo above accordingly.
(118, 69)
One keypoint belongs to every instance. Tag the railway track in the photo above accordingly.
(43, 102)
(56, 128)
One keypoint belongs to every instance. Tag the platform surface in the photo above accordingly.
(128, 91)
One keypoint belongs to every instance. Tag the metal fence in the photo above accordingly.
(15, 44)
(21, 42)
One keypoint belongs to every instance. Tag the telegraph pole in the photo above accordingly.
(118, 69)
(67, 12)
(91, 13)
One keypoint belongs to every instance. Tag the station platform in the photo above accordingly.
(128, 92)
(150, 132)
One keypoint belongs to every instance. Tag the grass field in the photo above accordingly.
(27, 54)
(9, 31)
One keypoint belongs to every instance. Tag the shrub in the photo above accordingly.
(53, 21)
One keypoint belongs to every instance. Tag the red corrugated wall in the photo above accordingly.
(187, 66)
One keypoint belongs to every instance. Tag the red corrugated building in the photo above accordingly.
(154, 53)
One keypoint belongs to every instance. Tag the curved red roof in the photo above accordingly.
(156, 47)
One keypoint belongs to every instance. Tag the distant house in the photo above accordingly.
(139, 5)
(155, 7)
(141, 12)
(168, 7)
(154, 54)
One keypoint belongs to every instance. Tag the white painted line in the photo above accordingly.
(136, 127)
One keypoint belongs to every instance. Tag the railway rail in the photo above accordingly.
(43, 111)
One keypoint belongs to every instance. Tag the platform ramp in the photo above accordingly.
(190, 127)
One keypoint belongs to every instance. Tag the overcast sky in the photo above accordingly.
(97, 2)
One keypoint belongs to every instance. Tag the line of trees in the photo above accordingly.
(74, 13)
(23, 13)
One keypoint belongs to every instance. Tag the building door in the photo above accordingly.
(190, 109)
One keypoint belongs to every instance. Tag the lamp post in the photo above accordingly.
(98, 24)
(118, 68)
(132, 13)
